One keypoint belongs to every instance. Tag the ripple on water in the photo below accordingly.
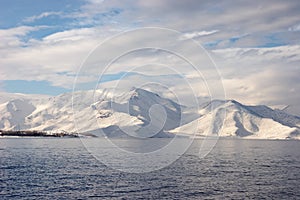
(63, 169)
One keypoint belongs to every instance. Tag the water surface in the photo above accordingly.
(55, 168)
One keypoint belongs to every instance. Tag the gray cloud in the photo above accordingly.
(232, 18)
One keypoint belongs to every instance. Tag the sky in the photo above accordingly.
(255, 45)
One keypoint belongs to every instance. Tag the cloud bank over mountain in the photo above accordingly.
(254, 44)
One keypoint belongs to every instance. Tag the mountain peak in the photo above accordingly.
(216, 103)
(140, 91)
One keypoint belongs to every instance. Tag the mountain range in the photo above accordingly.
(141, 113)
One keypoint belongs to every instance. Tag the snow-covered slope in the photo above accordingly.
(141, 113)
(14, 112)
(231, 118)
(138, 113)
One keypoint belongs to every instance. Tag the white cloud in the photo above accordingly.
(196, 34)
(13, 37)
(295, 28)
(42, 15)
(261, 75)
(17, 31)
(231, 18)
(251, 75)
(72, 35)
(41, 60)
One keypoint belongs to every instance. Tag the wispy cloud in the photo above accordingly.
(17, 31)
(42, 15)
(196, 34)
(13, 37)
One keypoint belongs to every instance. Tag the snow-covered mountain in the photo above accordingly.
(141, 113)
(138, 113)
(231, 118)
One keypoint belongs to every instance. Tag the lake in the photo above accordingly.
(62, 168)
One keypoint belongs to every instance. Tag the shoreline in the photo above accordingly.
(26, 133)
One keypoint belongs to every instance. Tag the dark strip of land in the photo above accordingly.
(26, 133)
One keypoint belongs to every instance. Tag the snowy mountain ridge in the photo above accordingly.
(141, 113)
(231, 118)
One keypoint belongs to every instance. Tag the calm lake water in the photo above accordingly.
(44, 168)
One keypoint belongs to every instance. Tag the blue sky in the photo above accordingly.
(43, 43)
(15, 12)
